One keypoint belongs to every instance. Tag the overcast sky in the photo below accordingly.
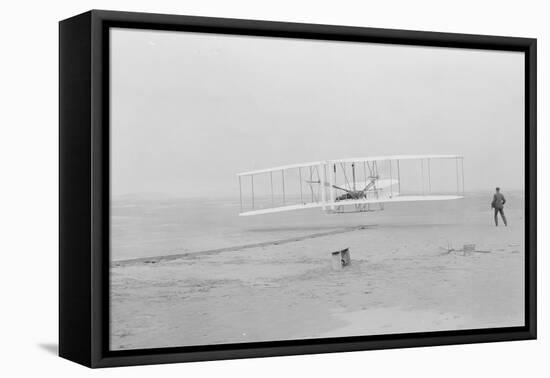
(189, 111)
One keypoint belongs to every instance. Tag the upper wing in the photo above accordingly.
(280, 168)
(394, 157)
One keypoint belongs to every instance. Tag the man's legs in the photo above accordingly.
(496, 217)
(501, 211)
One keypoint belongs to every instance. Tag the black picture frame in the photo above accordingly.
(84, 187)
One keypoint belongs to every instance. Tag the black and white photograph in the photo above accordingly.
(290, 188)
(268, 188)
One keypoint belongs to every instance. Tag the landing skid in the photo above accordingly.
(359, 208)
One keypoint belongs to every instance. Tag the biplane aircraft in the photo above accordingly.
(344, 185)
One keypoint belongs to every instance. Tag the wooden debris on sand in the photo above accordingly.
(341, 259)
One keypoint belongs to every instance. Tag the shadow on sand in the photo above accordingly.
(311, 228)
(175, 256)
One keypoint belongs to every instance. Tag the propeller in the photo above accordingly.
(371, 183)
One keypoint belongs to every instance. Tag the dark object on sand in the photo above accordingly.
(341, 259)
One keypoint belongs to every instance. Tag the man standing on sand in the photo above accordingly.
(498, 205)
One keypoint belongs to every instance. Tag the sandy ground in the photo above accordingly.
(400, 280)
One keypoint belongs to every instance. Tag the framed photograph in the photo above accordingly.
(236, 188)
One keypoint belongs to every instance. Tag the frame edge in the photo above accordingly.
(75, 113)
(96, 63)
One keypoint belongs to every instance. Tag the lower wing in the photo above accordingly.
(386, 199)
